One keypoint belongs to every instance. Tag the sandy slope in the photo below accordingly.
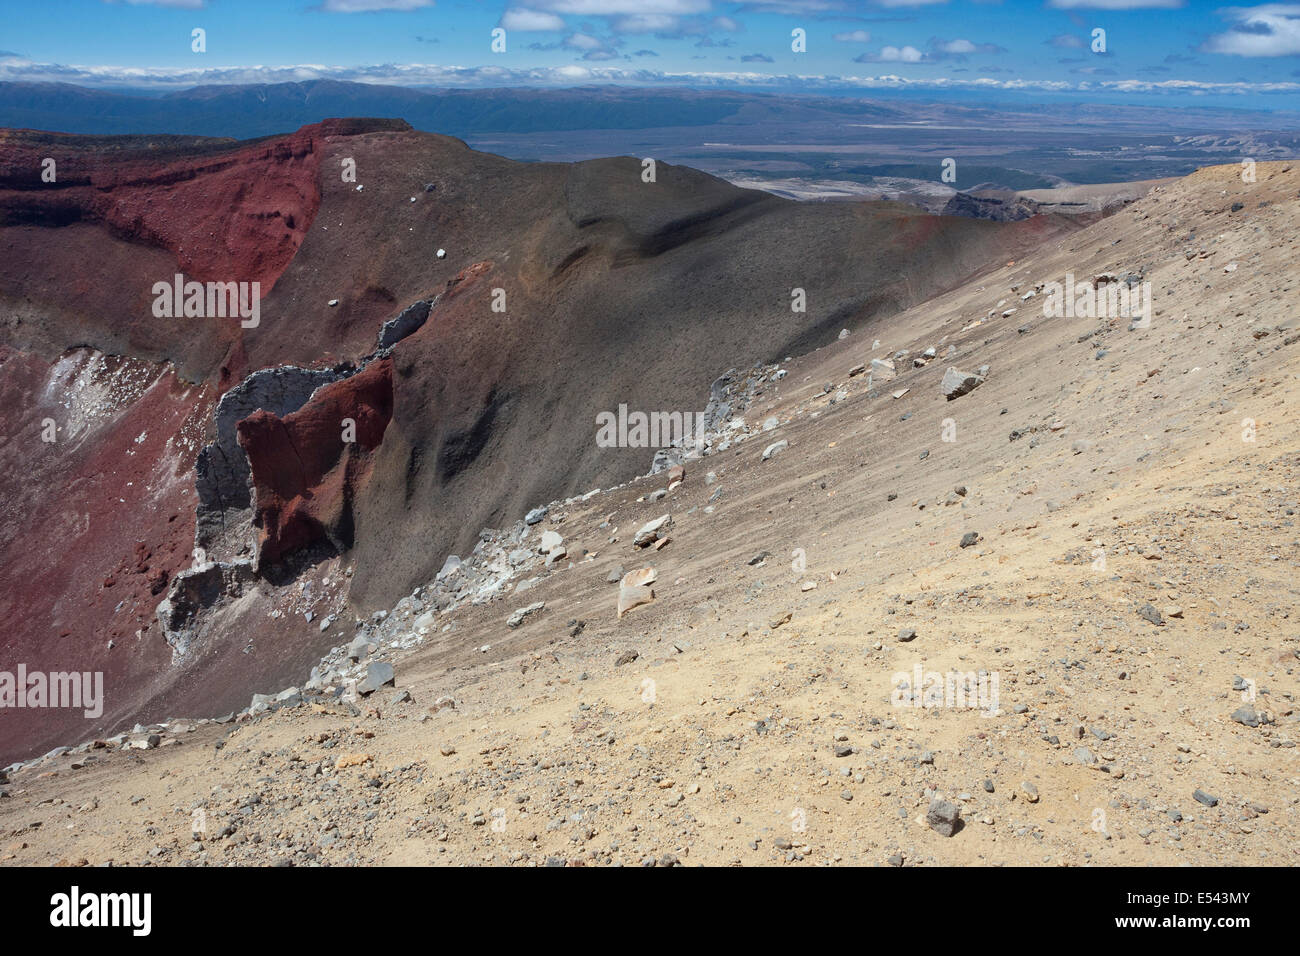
(553, 753)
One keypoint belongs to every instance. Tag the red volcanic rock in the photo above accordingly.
(306, 473)
(227, 211)
(468, 274)
(125, 213)
(92, 527)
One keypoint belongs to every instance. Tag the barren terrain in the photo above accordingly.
(1132, 493)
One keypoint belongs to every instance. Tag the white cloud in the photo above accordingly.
(525, 20)
(957, 46)
(372, 6)
(606, 8)
(583, 41)
(428, 74)
(793, 7)
(907, 54)
(646, 23)
(1269, 30)
(854, 36)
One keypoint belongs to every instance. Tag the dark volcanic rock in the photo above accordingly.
(408, 322)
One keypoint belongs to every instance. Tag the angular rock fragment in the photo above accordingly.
(517, 618)
(378, 675)
(943, 818)
(956, 383)
(634, 590)
(650, 531)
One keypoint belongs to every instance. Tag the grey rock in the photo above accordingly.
(378, 674)
(956, 383)
(449, 567)
(650, 531)
(943, 817)
(775, 449)
(1246, 715)
(520, 614)
(408, 322)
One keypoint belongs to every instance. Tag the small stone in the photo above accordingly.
(650, 531)
(1246, 715)
(968, 539)
(1151, 614)
(955, 383)
(943, 817)
(517, 618)
(1200, 796)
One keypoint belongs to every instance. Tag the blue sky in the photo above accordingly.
(1183, 48)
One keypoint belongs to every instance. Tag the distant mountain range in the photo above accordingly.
(815, 146)
(243, 112)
